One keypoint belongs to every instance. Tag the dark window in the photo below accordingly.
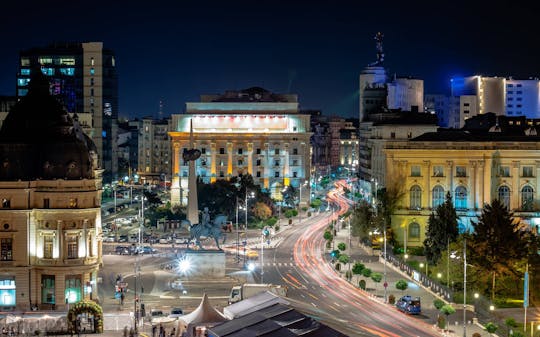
(240, 151)
(258, 163)
(392, 135)
(203, 150)
(414, 230)
(295, 174)
(504, 196)
(72, 246)
(46, 203)
(276, 151)
(221, 150)
(47, 289)
(221, 174)
(6, 203)
(258, 174)
(276, 174)
(295, 151)
(258, 151)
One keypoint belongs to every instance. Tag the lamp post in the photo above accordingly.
(237, 234)
(464, 284)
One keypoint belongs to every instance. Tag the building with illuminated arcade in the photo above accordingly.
(251, 131)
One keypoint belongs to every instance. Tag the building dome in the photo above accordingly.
(39, 140)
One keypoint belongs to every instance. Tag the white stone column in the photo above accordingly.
(514, 189)
(480, 180)
(472, 203)
(175, 174)
(229, 159)
(250, 158)
(213, 173)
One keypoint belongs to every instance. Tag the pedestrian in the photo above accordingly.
(122, 296)
(173, 332)
(154, 329)
(161, 331)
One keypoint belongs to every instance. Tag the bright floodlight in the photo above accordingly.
(251, 267)
(184, 265)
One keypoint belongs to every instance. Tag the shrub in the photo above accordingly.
(402, 285)
(441, 322)
(328, 236)
(362, 284)
(328, 244)
(391, 299)
(342, 246)
(271, 221)
(438, 303)
(366, 272)
(447, 310)
(418, 251)
(357, 268)
(490, 327)
(376, 277)
(276, 228)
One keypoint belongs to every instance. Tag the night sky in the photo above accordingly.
(176, 50)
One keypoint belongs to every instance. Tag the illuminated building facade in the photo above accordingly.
(154, 158)
(499, 161)
(252, 131)
(503, 96)
(50, 214)
(83, 78)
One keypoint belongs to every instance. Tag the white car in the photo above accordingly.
(109, 239)
(176, 312)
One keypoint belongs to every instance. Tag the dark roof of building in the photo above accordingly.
(253, 94)
(39, 140)
(277, 320)
(404, 118)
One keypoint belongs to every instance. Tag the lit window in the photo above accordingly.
(25, 71)
(73, 203)
(47, 71)
(438, 171)
(6, 249)
(45, 60)
(92, 71)
(25, 62)
(67, 71)
(48, 241)
(22, 92)
(460, 197)
(22, 82)
(92, 62)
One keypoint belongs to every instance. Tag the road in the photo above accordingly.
(316, 288)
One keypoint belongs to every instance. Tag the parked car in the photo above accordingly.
(148, 250)
(181, 241)
(176, 312)
(122, 250)
(410, 305)
(110, 238)
(123, 238)
(154, 313)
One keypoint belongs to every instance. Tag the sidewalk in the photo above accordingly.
(371, 260)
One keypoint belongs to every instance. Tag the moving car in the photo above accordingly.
(409, 305)
(122, 250)
(148, 250)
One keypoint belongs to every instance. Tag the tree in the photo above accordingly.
(438, 303)
(402, 285)
(316, 203)
(328, 236)
(376, 277)
(343, 258)
(262, 211)
(361, 219)
(510, 323)
(341, 246)
(491, 328)
(447, 310)
(442, 230)
(496, 244)
(358, 268)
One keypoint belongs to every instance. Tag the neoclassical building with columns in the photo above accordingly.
(475, 167)
(252, 131)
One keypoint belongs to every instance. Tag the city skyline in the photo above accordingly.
(175, 52)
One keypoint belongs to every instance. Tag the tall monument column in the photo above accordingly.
(191, 156)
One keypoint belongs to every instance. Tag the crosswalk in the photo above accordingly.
(279, 264)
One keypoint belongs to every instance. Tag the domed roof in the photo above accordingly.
(39, 140)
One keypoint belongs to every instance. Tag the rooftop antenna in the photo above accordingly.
(160, 112)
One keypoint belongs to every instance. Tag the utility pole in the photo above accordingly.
(237, 234)
(262, 258)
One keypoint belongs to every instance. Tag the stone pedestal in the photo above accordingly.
(206, 263)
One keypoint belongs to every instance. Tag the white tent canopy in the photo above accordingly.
(205, 314)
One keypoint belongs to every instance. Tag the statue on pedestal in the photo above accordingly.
(379, 46)
(208, 228)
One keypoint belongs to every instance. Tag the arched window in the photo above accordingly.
(414, 230)
(504, 196)
(437, 196)
(460, 197)
(416, 197)
(527, 197)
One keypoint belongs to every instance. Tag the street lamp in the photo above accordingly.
(464, 284)
(300, 202)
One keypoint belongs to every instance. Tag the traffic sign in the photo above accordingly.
(385, 284)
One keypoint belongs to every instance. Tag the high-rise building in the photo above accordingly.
(503, 96)
(83, 78)
(154, 144)
(252, 131)
(50, 194)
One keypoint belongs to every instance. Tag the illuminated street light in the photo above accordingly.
(251, 266)
(454, 256)
(184, 265)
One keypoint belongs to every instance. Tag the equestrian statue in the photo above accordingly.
(208, 229)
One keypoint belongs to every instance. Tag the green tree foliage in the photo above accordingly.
(496, 244)
(290, 213)
(328, 236)
(402, 285)
(438, 303)
(447, 310)
(491, 328)
(442, 230)
(366, 272)
(376, 277)
(510, 323)
(290, 196)
(358, 268)
(362, 284)
(316, 203)
(361, 219)
(344, 258)
(342, 246)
